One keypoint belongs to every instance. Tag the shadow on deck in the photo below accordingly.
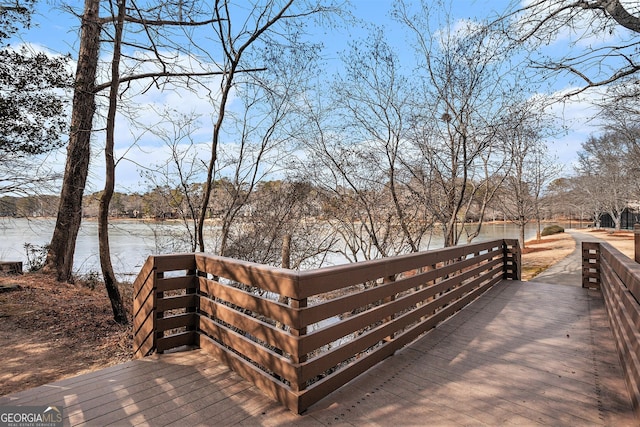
(522, 353)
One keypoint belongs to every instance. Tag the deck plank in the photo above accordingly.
(525, 353)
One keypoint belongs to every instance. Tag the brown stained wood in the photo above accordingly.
(259, 329)
(506, 359)
(330, 383)
(189, 320)
(11, 267)
(619, 280)
(590, 265)
(176, 283)
(399, 311)
(144, 326)
(627, 270)
(250, 349)
(174, 262)
(143, 301)
(278, 280)
(264, 382)
(324, 336)
(348, 302)
(332, 278)
(636, 242)
(143, 345)
(426, 314)
(330, 334)
(143, 276)
(627, 337)
(279, 312)
(175, 340)
(175, 302)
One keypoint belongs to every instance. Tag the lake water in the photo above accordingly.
(133, 241)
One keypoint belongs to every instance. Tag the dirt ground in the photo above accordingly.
(49, 331)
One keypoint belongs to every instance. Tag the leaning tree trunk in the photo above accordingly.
(63, 241)
(109, 277)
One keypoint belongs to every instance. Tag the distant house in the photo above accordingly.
(630, 216)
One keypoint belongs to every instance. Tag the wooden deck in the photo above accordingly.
(525, 353)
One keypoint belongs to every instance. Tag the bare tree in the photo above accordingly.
(459, 105)
(602, 38)
(108, 275)
(264, 24)
(63, 241)
(358, 151)
(530, 171)
(604, 172)
(282, 218)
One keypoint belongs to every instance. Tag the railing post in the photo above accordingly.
(391, 298)
(298, 358)
(158, 315)
(636, 240)
(512, 260)
(591, 265)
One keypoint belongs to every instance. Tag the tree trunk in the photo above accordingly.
(109, 277)
(522, 226)
(63, 241)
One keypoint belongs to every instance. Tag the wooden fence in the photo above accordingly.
(606, 268)
(299, 335)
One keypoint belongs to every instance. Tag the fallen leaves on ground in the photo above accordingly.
(51, 330)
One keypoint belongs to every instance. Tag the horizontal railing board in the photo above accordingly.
(176, 283)
(326, 385)
(269, 385)
(176, 340)
(176, 302)
(619, 279)
(627, 269)
(623, 307)
(333, 307)
(321, 363)
(272, 309)
(278, 280)
(329, 334)
(252, 350)
(329, 279)
(177, 321)
(255, 327)
(174, 262)
(627, 344)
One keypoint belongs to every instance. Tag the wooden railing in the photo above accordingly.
(299, 335)
(606, 268)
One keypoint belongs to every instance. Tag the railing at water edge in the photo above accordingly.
(299, 335)
(606, 268)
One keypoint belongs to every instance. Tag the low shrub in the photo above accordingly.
(552, 229)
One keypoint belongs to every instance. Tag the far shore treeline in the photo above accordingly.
(163, 203)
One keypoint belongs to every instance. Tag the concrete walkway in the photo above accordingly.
(569, 270)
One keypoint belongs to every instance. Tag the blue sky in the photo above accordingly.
(57, 32)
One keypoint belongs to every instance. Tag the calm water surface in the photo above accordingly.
(133, 241)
